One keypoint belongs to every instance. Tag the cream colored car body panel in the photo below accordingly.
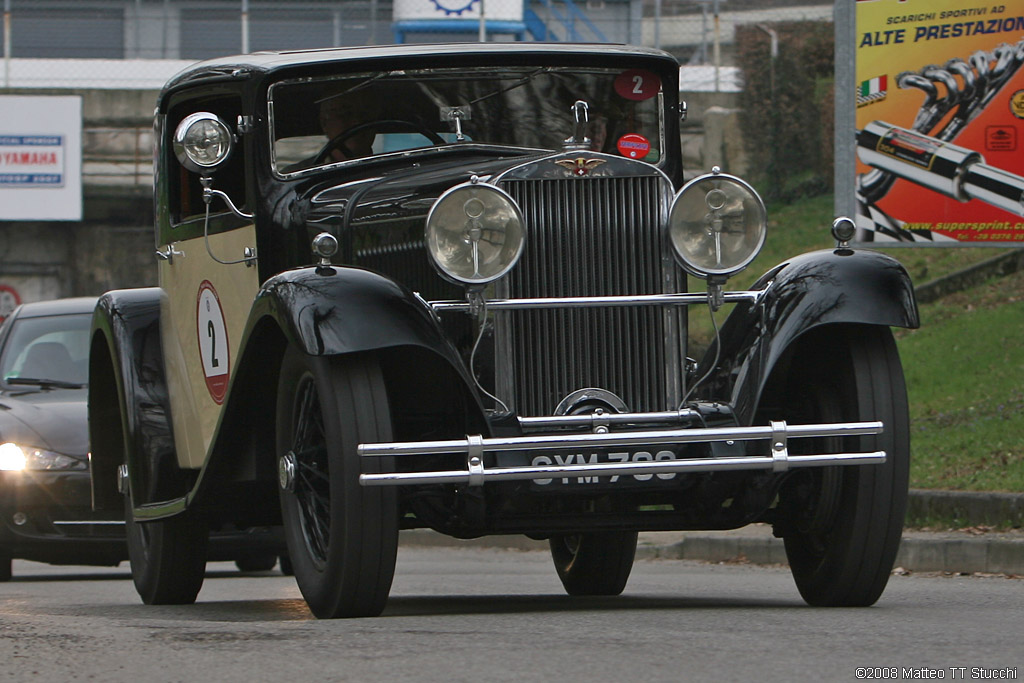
(182, 279)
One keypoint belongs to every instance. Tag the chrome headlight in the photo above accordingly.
(474, 233)
(717, 225)
(202, 142)
(18, 458)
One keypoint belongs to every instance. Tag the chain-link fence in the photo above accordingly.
(697, 31)
(139, 44)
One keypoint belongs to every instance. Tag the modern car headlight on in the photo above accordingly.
(717, 225)
(202, 142)
(474, 233)
(17, 458)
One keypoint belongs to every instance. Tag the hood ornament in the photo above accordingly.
(579, 166)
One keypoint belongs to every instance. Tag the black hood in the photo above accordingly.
(54, 420)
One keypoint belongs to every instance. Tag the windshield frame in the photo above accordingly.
(529, 72)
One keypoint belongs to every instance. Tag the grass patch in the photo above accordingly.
(964, 367)
(965, 379)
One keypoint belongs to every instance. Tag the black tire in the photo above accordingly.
(256, 563)
(168, 557)
(342, 537)
(6, 571)
(594, 563)
(285, 563)
(842, 525)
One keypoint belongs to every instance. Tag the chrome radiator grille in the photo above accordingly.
(590, 237)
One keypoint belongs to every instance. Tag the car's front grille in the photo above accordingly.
(589, 237)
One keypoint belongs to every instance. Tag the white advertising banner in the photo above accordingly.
(40, 158)
(434, 10)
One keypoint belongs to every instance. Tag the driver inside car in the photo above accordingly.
(339, 114)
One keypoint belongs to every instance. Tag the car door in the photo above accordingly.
(209, 280)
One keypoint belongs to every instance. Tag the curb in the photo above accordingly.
(950, 552)
(1004, 264)
(966, 508)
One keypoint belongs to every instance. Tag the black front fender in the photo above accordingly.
(333, 311)
(819, 288)
(326, 311)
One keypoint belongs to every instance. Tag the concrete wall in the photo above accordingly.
(112, 247)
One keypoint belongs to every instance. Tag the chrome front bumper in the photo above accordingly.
(473, 448)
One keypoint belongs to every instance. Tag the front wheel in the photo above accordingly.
(168, 557)
(342, 537)
(594, 563)
(842, 525)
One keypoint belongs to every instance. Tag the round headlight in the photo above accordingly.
(717, 225)
(202, 142)
(474, 233)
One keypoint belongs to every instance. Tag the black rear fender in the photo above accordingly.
(129, 411)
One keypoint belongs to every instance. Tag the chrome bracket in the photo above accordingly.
(475, 459)
(780, 448)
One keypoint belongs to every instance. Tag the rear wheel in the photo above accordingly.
(842, 525)
(594, 563)
(342, 537)
(168, 557)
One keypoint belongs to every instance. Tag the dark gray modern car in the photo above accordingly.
(45, 503)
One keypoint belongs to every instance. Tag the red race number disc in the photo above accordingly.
(637, 84)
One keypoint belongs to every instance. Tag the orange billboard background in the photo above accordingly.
(952, 48)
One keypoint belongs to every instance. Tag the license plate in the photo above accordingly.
(594, 458)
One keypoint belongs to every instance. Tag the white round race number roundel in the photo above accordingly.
(213, 341)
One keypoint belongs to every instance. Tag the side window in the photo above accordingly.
(185, 192)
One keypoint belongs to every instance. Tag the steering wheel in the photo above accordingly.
(380, 126)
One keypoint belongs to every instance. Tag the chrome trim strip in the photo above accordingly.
(590, 420)
(599, 301)
(638, 438)
(479, 475)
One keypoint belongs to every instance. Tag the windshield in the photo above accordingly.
(54, 348)
(328, 121)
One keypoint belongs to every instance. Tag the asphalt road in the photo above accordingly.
(500, 615)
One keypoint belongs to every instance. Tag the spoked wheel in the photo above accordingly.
(842, 525)
(168, 557)
(342, 537)
(595, 563)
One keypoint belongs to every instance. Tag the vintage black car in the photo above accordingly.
(45, 505)
(444, 287)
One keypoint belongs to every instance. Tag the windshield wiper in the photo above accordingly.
(45, 383)
(522, 81)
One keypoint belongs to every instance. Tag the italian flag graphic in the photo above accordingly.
(872, 90)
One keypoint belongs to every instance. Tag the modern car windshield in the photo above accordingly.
(333, 120)
(53, 349)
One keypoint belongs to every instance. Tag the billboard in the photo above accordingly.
(940, 122)
(40, 158)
